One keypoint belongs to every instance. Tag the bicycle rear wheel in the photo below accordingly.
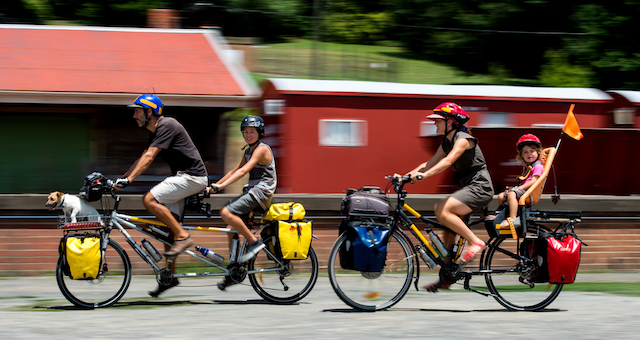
(509, 280)
(111, 284)
(372, 291)
(283, 284)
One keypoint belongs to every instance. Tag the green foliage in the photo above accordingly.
(558, 71)
(357, 28)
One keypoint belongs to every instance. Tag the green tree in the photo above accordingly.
(612, 49)
(558, 71)
(347, 22)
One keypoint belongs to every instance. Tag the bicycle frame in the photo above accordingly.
(451, 270)
(274, 278)
(119, 220)
(511, 267)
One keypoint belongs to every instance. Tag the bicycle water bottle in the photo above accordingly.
(234, 248)
(442, 250)
(216, 258)
(155, 255)
(426, 258)
(158, 230)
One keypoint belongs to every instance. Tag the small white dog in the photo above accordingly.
(72, 206)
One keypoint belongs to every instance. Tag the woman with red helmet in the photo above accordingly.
(460, 152)
(529, 148)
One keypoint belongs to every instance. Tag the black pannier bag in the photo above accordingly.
(367, 201)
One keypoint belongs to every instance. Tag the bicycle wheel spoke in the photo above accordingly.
(103, 291)
(515, 287)
(373, 290)
(288, 283)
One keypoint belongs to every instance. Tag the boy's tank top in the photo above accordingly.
(262, 178)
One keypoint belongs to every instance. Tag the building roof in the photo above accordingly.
(101, 65)
(631, 96)
(483, 92)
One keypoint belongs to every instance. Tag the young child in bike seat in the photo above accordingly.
(459, 151)
(529, 148)
(258, 161)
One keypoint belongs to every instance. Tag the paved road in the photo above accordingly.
(33, 308)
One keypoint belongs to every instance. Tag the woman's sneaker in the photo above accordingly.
(252, 250)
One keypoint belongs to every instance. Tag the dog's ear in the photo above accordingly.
(59, 194)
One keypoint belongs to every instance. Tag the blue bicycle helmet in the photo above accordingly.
(149, 101)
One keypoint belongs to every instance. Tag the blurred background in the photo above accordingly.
(516, 43)
(344, 86)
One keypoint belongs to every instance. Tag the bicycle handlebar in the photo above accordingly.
(399, 182)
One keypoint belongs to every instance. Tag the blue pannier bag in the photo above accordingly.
(363, 250)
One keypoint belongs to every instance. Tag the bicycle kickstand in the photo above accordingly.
(467, 278)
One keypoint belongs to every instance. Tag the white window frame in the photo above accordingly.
(428, 128)
(496, 119)
(273, 106)
(329, 133)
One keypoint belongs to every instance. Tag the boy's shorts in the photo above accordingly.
(172, 191)
(243, 205)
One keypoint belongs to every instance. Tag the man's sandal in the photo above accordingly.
(471, 253)
(179, 246)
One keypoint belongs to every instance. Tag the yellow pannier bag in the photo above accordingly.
(288, 211)
(83, 257)
(288, 240)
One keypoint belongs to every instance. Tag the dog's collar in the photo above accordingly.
(62, 203)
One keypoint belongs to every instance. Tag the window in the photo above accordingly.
(495, 119)
(428, 128)
(335, 132)
(273, 106)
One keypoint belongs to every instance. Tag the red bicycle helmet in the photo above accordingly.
(450, 110)
(526, 139)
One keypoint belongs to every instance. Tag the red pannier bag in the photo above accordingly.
(563, 258)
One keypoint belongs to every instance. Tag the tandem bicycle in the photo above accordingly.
(508, 266)
(275, 279)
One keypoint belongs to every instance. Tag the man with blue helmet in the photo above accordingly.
(168, 139)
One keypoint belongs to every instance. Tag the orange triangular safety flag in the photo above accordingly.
(571, 127)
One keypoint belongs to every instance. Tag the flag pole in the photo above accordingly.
(559, 141)
(556, 197)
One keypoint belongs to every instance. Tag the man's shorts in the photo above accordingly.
(173, 190)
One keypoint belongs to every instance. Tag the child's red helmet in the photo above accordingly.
(450, 110)
(526, 139)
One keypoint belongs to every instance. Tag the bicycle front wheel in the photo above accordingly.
(372, 291)
(288, 283)
(105, 290)
(510, 281)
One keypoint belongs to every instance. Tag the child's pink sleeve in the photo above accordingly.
(537, 170)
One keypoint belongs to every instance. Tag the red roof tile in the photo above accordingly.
(106, 60)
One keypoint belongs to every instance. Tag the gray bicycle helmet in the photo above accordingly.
(254, 121)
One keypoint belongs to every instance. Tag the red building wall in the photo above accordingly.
(599, 164)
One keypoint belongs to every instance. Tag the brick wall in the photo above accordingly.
(31, 251)
(28, 246)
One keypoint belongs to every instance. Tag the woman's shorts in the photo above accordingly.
(478, 193)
